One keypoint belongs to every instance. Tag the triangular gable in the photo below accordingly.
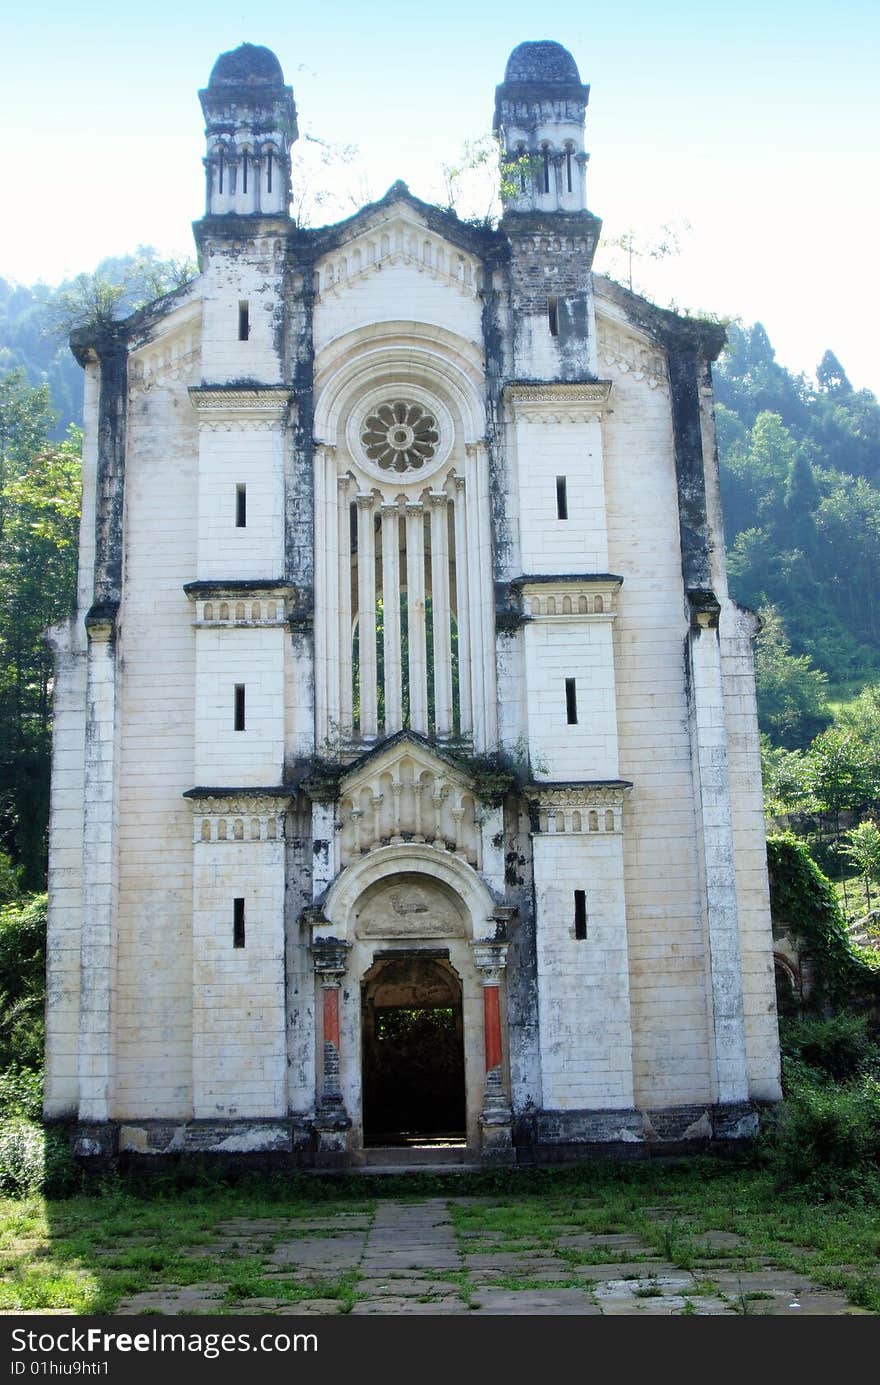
(396, 232)
(405, 750)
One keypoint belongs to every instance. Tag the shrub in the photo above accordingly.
(34, 1160)
(22, 981)
(837, 1046)
(21, 1094)
(827, 1138)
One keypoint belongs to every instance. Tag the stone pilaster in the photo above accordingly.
(100, 876)
(332, 1121)
(496, 1117)
(715, 827)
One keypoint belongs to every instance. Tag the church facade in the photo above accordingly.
(406, 790)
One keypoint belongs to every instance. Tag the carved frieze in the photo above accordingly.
(238, 816)
(578, 809)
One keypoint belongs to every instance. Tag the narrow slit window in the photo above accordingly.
(571, 704)
(545, 152)
(244, 324)
(244, 171)
(553, 315)
(222, 170)
(580, 914)
(239, 706)
(238, 923)
(568, 169)
(561, 498)
(241, 507)
(269, 171)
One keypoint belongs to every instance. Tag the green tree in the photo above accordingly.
(838, 774)
(831, 375)
(41, 504)
(782, 772)
(791, 692)
(863, 849)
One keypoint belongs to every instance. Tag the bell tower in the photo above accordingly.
(539, 122)
(250, 124)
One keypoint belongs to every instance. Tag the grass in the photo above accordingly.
(89, 1253)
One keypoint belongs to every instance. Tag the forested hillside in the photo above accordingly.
(800, 472)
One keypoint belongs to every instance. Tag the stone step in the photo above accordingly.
(415, 1156)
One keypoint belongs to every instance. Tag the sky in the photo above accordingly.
(750, 128)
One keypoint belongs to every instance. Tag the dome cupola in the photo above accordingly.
(250, 125)
(540, 109)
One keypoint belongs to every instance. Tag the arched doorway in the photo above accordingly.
(413, 1051)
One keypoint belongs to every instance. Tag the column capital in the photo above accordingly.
(365, 500)
(490, 959)
(329, 957)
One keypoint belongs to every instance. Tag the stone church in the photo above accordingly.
(406, 792)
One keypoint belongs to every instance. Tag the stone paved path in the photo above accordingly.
(407, 1259)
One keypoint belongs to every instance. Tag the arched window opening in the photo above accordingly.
(568, 153)
(244, 171)
(221, 169)
(268, 170)
(545, 155)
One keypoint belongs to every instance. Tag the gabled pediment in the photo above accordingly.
(397, 232)
(407, 752)
(406, 791)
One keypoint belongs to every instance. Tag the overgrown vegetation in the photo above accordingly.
(825, 1139)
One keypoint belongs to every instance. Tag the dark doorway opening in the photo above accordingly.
(413, 1053)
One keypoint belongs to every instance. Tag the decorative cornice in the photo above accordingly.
(579, 790)
(241, 603)
(238, 815)
(567, 579)
(202, 793)
(224, 407)
(557, 401)
(577, 809)
(592, 596)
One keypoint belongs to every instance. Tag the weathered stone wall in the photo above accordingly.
(667, 944)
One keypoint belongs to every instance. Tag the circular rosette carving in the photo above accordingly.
(400, 436)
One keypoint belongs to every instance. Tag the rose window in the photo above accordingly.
(400, 436)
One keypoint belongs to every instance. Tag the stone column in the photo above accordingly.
(366, 570)
(332, 1121)
(343, 589)
(496, 1117)
(462, 606)
(391, 615)
(440, 612)
(415, 616)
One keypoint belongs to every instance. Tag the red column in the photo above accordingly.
(492, 1027)
(331, 1016)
